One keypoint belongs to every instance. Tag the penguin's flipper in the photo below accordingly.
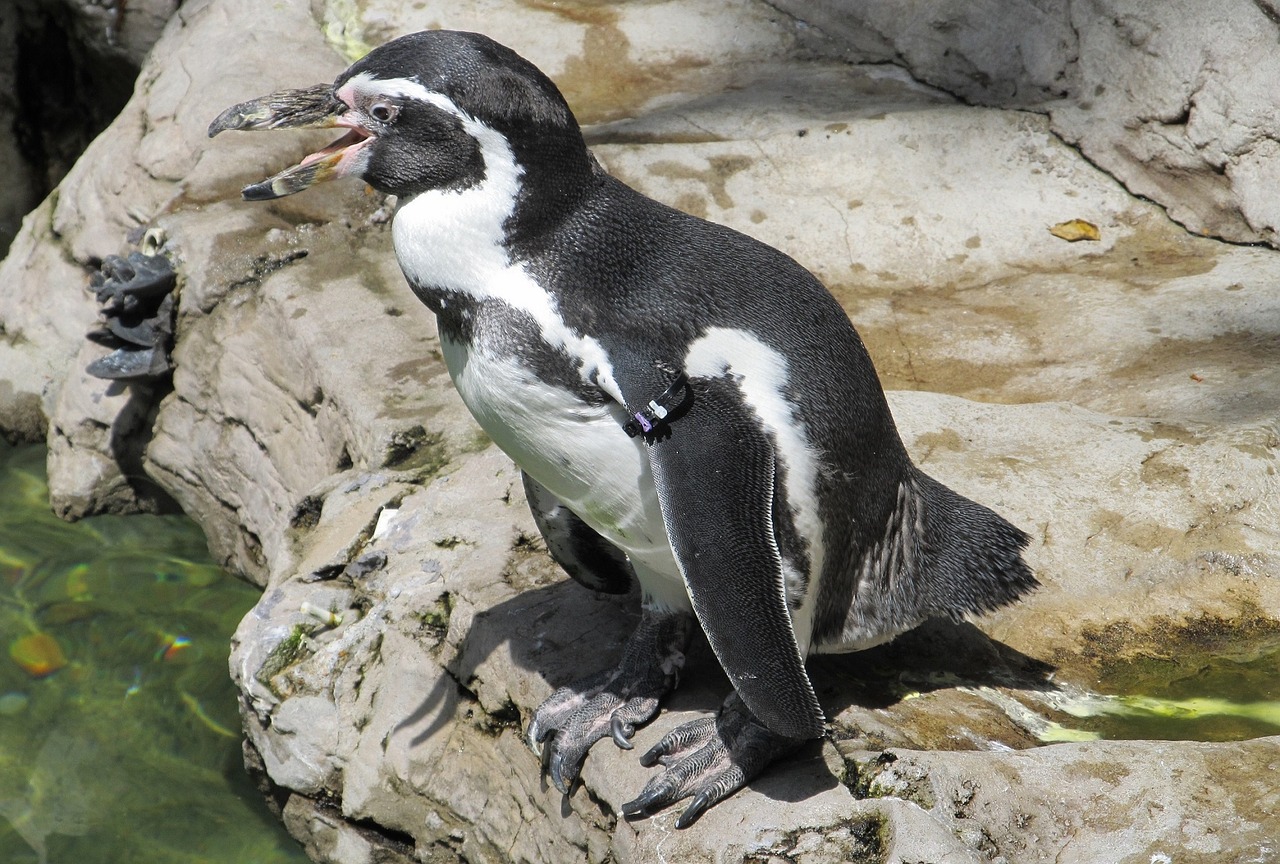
(590, 559)
(714, 467)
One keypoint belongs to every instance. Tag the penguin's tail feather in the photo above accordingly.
(969, 558)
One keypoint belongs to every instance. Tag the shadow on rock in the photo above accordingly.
(563, 632)
(937, 655)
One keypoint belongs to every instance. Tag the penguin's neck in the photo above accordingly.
(456, 250)
(467, 241)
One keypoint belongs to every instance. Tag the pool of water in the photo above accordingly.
(119, 733)
(1231, 695)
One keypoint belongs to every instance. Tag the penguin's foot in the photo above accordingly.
(613, 702)
(709, 759)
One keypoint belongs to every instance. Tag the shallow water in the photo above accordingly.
(1228, 697)
(119, 733)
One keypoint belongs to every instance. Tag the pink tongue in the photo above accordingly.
(352, 137)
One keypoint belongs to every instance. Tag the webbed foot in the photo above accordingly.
(613, 702)
(710, 759)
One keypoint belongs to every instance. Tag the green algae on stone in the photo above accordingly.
(435, 619)
(290, 650)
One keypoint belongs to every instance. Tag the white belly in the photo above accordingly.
(578, 452)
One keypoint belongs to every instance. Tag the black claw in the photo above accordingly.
(622, 732)
(546, 753)
(651, 756)
(638, 806)
(691, 813)
(708, 759)
(563, 773)
(657, 794)
(612, 702)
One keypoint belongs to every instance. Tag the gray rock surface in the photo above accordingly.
(1115, 398)
(1122, 801)
(19, 189)
(1175, 99)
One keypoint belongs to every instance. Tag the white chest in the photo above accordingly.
(577, 450)
(453, 241)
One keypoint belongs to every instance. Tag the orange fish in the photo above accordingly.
(38, 653)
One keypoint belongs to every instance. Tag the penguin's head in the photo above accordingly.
(417, 111)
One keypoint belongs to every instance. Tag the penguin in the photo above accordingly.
(690, 408)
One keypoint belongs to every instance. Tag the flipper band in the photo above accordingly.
(655, 414)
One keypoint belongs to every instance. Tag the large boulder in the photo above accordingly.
(1108, 396)
(66, 69)
(1174, 99)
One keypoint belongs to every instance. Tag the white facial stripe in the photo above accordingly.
(454, 239)
(762, 377)
(365, 86)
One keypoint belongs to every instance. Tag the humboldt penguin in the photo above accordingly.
(690, 408)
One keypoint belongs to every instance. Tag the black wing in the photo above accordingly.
(586, 556)
(713, 466)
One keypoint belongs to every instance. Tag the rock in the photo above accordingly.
(154, 149)
(611, 60)
(1105, 800)
(1113, 398)
(20, 191)
(45, 312)
(1178, 106)
(96, 443)
(68, 70)
(118, 30)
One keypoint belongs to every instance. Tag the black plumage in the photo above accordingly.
(775, 504)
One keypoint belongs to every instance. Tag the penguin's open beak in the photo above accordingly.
(308, 108)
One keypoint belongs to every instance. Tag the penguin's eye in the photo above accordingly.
(383, 112)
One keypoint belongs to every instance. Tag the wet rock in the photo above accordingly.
(1112, 398)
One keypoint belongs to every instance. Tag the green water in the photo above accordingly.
(1229, 696)
(130, 752)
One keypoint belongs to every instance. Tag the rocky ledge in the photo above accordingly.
(1115, 397)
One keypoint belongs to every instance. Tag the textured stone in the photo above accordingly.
(1174, 99)
(44, 313)
(1110, 800)
(1113, 398)
(114, 29)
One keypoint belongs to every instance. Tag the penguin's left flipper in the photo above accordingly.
(715, 467)
(710, 759)
(588, 558)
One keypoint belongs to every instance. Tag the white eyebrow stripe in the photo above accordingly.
(366, 86)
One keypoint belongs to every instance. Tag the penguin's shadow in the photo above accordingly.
(565, 632)
(939, 654)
